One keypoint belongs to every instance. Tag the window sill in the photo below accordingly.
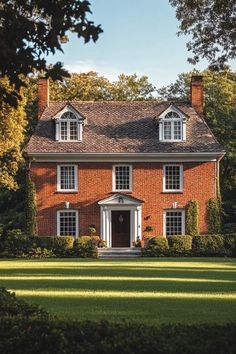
(122, 191)
(172, 192)
(66, 192)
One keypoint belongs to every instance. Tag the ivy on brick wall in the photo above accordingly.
(214, 216)
(192, 218)
(30, 209)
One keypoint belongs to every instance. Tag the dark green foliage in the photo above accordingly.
(30, 209)
(214, 216)
(84, 240)
(82, 249)
(52, 337)
(59, 245)
(14, 244)
(156, 247)
(211, 26)
(192, 218)
(45, 25)
(230, 244)
(179, 245)
(208, 245)
(12, 306)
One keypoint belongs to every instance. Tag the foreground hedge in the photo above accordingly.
(28, 329)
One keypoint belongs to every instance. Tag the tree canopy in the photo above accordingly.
(212, 26)
(30, 30)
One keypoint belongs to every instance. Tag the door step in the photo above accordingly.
(119, 252)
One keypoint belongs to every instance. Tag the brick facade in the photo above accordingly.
(95, 183)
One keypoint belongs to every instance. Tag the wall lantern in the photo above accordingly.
(174, 205)
(67, 204)
(121, 200)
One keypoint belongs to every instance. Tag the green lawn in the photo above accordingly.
(153, 291)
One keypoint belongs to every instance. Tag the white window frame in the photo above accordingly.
(172, 121)
(114, 178)
(181, 179)
(59, 178)
(79, 126)
(76, 218)
(181, 118)
(182, 220)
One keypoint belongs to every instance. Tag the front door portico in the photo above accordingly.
(121, 218)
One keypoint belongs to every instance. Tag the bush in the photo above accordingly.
(192, 218)
(59, 245)
(83, 249)
(208, 245)
(214, 216)
(230, 244)
(12, 306)
(15, 244)
(156, 247)
(180, 244)
(39, 336)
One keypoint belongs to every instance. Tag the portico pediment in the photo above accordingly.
(120, 199)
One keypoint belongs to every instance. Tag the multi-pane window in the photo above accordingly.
(68, 127)
(174, 222)
(67, 223)
(67, 178)
(173, 178)
(172, 127)
(122, 178)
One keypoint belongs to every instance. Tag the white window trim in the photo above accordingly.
(172, 120)
(59, 178)
(114, 178)
(79, 130)
(181, 179)
(76, 217)
(183, 220)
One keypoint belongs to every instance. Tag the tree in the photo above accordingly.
(12, 126)
(212, 26)
(30, 30)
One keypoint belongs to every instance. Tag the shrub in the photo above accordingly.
(12, 306)
(30, 209)
(180, 244)
(156, 247)
(208, 245)
(192, 218)
(230, 244)
(83, 249)
(85, 239)
(59, 245)
(214, 216)
(15, 244)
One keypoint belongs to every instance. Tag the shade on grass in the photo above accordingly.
(186, 290)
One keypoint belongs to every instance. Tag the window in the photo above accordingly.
(173, 178)
(122, 178)
(67, 179)
(68, 127)
(67, 223)
(174, 222)
(172, 127)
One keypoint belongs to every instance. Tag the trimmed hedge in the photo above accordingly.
(157, 247)
(179, 245)
(59, 245)
(28, 329)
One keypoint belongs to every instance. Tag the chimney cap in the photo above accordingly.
(197, 79)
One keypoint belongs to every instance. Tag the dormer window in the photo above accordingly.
(69, 126)
(172, 126)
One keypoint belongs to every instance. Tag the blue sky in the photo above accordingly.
(139, 37)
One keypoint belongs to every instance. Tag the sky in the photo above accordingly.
(139, 37)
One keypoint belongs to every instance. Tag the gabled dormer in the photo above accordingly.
(172, 125)
(69, 124)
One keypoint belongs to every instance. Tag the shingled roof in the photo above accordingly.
(122, 127)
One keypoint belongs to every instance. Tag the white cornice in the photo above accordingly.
(125, 157)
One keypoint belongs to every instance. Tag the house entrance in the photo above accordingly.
(120, 220)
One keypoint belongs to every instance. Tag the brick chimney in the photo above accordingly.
(196, 93)
(43, 95)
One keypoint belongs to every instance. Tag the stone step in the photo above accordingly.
(119, 252)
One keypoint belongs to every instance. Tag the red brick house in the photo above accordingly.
(121, 166)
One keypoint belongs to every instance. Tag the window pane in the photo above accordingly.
(172, 178)
(173, 223)
(67, 223)
(167, 130)
(64, 131)
(73, 131)
(68, 177)
(177, 130)
(122, 177)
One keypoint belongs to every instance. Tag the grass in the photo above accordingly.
(153, 291)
